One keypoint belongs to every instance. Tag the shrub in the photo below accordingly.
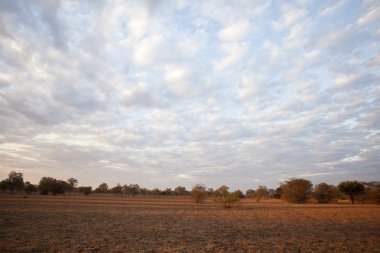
(225, 198)
(198, 193)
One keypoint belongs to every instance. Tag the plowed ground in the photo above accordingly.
(173, 224)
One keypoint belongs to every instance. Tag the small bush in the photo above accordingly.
(225, 198)
(198, 193)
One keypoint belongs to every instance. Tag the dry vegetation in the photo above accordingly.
(174, 224)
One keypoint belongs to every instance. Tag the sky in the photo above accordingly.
(165, 93)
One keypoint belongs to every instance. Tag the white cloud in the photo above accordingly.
(332, 9)
(370, 16)
(233, 53)
(290, 15)
(250, 85)
(148, 49)
(235, 32)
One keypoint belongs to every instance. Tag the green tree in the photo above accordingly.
(296, 190)
(352, 188)
(198, 193)
(225, 198)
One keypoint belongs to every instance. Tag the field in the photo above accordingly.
(173, 224)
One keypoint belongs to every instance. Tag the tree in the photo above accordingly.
(180, 191)
(30, 188)
(261, 192)
(102, 188)
(296, 190)
(371, 192)
(86, 190)
(198, 193)
(134, 189)
(325, 193)
(239, 193)
(167, 192)
(225, 198)
(271, 193)
(51, 185)
(278, 193)
(14, 182)
(117, 189)
(73, 182)
(4, 185)
(250, 193)
(210, 192)
(352, 188)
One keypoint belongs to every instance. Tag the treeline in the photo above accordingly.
(295, 190)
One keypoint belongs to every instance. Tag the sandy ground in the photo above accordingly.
(148, 224)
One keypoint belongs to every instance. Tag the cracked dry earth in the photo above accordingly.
(173, 224)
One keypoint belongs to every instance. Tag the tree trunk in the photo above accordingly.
(352, 198)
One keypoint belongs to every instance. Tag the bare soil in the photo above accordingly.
(173, 224)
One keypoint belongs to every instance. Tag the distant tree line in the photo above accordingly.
(296, 190)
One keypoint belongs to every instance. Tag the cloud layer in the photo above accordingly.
(242, 93)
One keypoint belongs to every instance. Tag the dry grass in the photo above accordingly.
(148, 224)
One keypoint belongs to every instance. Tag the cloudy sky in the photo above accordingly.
(166, 93)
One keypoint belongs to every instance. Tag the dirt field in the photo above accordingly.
(148, 224)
